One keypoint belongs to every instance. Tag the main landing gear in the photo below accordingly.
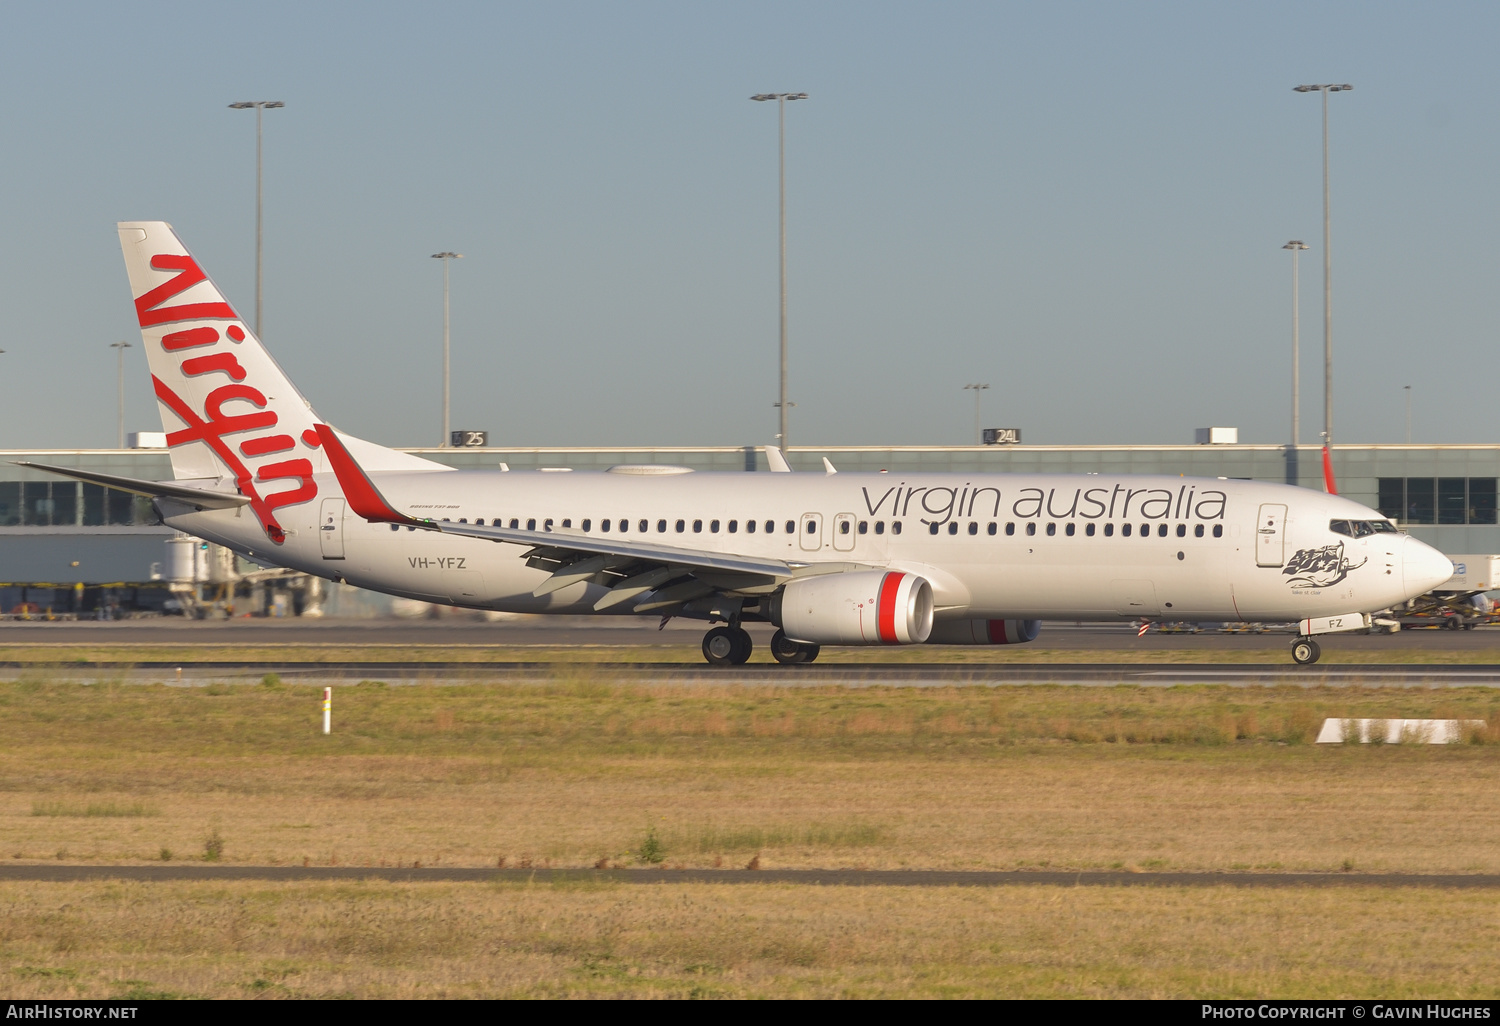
(789, 652)
(1305, 651)
(731, 646)
(727, 646)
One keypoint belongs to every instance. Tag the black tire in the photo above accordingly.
(784, 650)
(743, 646)
(1454, 623)
(791, 653)
(1305, 651)
(720, 646)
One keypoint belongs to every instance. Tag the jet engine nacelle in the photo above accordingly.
(984, 632)
(863, 607)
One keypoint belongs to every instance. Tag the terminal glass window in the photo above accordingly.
(1392, 500)
(1421, 500)
(1443, 500)
(10, 503)
(1452, 500)
(1481, 500)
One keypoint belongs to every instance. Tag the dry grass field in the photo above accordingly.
(584, 770)
(625, 940)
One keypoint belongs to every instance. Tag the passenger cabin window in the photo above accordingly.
(864, 527)
(770, 527)
(992, 527)
(624, 526)
(791, 527)
(1051, 530)
(1010, 529)
(713, 526)
(568, 523)
(1197, 530)
(697, 527)
(1125, 530)
(1070, 529)
(1218, 530)
(749, 526)
(514, 523)
(734, 527)
(974, 528)
(812, 526)
(1182, 530)
(661, 527)
(588, 525)
(681, 526)
(895, 527)
(1161, 530)
(1088, 529)
(1145, 530)
(604, 525)
(880, 527)
(531, 524)
(644, 526)
(1109, 530)
(547, 524)
(843, 526)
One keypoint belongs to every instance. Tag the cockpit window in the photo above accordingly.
(1361, 528)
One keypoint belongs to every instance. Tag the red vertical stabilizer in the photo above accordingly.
(1329, 485)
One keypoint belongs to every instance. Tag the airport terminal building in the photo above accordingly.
(69, 546)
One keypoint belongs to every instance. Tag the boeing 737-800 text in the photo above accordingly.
(830, 559)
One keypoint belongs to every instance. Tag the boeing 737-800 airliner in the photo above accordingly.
(828, 558)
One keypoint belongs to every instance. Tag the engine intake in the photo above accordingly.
(984, 632)
(863, 607)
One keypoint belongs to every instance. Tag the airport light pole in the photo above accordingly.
(445, 257)
(781, 98)
(1327, 266)
(1296, 246)
(259, 106)
(978, 431)
(119, 348)
(1407, 388)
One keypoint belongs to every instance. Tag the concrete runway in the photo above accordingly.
(199, 674)
(581, 631)
(1182, 658)
(818, 877)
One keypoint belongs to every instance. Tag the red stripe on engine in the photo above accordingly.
(997, 632)
(885, 609)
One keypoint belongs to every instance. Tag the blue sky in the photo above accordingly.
(1081, 204)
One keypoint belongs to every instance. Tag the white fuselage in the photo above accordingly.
(1006, 546)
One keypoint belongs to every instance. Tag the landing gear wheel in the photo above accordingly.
(789, 652)
(1305, 651)
(743, 646)
(727, 646)
(720, 646)
(1454, 623)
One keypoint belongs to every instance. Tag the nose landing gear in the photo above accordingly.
(727, 646)
(1305, 651)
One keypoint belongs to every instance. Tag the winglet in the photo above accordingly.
(364, 498)
(828, 468)
(777, 461)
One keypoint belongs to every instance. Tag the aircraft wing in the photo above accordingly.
(203, 498)
(632, 567)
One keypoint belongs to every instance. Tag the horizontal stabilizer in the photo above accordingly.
(203, 498)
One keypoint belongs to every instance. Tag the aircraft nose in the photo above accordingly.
(1424, 567)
